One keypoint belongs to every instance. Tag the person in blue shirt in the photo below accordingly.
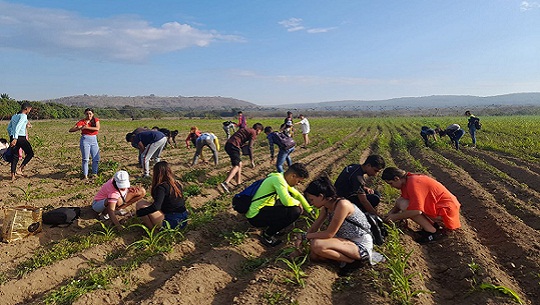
(17, 136)
(284, 153)
(150, 145)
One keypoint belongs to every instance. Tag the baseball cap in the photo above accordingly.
(122, 179)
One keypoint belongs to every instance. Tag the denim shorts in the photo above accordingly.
(99, 205)
(176, 219)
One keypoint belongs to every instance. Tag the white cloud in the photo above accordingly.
(527, 6)
(295, 24)
(119, 38)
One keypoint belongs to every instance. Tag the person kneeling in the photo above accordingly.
(347, 237)
(424, 200)
(279, 203)
(115, 195)
(168, 200)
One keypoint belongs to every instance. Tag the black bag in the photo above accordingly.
(378, 230)
(8, 154)
(285, 142)
(242, 201)
(477, 124)
(61, 216)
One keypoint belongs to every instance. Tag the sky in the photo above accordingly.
(269, 52)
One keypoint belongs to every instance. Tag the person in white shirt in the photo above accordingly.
(304, 126)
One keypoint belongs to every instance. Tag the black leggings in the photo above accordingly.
(23, 143)
(275, 218)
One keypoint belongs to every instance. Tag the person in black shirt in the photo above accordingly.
(168, 200)
(351, 183)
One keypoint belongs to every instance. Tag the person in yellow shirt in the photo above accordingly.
(280, 204)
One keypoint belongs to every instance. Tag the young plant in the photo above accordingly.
(235, 238)
(157, 239)
(501, 289)
(107, 231)
(192, 190)
(296, 274)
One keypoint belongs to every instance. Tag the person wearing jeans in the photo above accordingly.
(284, 153)
(150, 144)
(89, 127)
(17, 135)
(206, 139)
(472, 126)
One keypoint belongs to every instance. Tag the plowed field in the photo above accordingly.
(219, 260)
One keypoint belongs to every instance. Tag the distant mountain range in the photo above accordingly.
(226, 103)
(152, 101)
(427, 102)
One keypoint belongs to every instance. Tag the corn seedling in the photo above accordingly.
(107, 231)
(192, 190)
(501, 289)
(296, 274)
(156, 239)
(235, 238)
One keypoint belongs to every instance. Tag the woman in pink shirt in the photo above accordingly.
(89, 128)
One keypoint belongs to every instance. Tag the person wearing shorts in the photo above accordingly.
(168, 206)
(243, 137)
(115, 195)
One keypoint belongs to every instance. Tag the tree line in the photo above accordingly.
(50, 110)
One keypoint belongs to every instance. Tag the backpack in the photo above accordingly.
(285, 142)
(8, 155)
(242, 201)
(61, 216)
(477, 124)
(378, 230)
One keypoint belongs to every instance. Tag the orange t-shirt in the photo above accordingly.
(432, 198)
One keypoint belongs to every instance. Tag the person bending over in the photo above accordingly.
(424, 200)
(346, 238)
(115, 195)
(351, 183)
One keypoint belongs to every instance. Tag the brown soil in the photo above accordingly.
(500, 223)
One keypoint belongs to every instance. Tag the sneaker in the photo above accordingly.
(348, 268)
(104, 217)
(121, 212)
(270, 241)
(225, 187)
(428, 237)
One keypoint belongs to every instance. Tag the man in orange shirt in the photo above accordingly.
(424, 200)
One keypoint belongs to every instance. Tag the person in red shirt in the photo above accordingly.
(241, 142)
(242, 122)
(423, 200)
(89, 128)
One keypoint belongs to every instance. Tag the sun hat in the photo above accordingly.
(122, 179)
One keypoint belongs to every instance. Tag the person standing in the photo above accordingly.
(351, 183)
(284, 153)
(242, 122)
(243, 137)
(17, 136)
(424, 200)
(472, 124)
(304, 126)
(206, 139)
(168, 204)
(150, 144)
(89, 128)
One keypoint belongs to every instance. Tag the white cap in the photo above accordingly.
(122, 179)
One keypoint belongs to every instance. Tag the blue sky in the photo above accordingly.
(269, 52)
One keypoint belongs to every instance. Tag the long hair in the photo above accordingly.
(322, 186)
(164, 174)
(93, 120)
